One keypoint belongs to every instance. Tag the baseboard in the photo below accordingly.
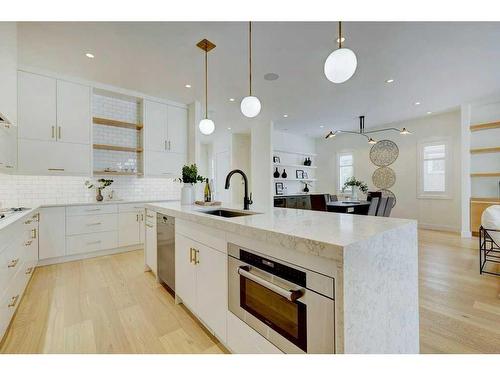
(442, 228)
(72, 258)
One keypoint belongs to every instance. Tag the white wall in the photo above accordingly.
(240, 159)
(8, 70)
(262, 184)
(436, 213)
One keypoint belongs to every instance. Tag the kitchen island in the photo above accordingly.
(372, 262)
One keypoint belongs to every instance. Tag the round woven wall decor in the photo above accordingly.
(387, 193)
(384, 153)
(384, 177)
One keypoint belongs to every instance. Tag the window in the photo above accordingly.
(434, 169)
(346, 168)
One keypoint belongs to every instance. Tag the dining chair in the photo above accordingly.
(381, 206)
(388, 206)
(318, 202)
(372, 209)
(373, 194)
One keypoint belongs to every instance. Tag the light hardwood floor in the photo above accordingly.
(109, 305)
(103, 305)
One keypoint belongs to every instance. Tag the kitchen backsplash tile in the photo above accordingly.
(20, 190)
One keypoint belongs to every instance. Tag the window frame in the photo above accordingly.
(447, 193)
(339, 155)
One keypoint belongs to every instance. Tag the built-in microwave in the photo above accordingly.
(290, 306)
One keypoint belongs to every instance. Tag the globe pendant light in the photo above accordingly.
(250, 105)
(206, 125)
(341, 64)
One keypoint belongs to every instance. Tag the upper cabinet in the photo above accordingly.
(177, 129)
(37, 103)
(73, 112)
(8, 148)
(53, 110)
(165, 129)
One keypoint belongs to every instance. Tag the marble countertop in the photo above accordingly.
(304, 230)
(12, 218)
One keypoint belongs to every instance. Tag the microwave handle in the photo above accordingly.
(291, 295)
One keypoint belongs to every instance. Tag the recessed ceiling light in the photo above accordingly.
(188, 86)
(271, 76)
(390, 80)
(341, 40)
(89, 55)
(285, 116)
(231, 99)
(228, 128)
(322, 126)
(429, 112)
(417, 103)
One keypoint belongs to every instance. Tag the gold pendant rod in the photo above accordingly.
(250, 54)
(340, 34)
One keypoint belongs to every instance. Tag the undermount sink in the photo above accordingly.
(228, 213)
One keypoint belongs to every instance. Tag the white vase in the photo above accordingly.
(187, 194)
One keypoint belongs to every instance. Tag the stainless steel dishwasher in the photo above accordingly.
(166, 250)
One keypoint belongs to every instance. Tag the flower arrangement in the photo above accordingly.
(190, 175)
(353, 182)
(102, 184)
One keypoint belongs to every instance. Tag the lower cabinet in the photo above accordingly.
(52, 239)
(129, 228)
(201, 282)
(150, 246)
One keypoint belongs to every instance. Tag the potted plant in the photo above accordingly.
(103, 183)
(189, 177)
(355, 184)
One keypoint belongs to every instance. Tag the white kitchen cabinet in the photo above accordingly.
(73, 112)
(177, 129)
(165, 129)
(150, 248)
(8, 147)
(37, 103)
(155, 125)
(52, 237)
(45, 157)
(201, 282)
(185, 271)
(129, 228)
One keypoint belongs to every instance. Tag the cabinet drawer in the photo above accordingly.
(91, 210)
(131, 207)
(86, 243)
(11, 260)
(10, 299)
(91, 224)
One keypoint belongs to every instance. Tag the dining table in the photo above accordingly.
(349, 207)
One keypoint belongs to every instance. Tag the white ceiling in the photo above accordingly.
(438, 64)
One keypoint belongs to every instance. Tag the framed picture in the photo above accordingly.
(279, 188)
(276, 160)
(299, 173)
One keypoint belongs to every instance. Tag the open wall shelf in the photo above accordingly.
(485, 126)
(117, 148)
(484, 150)
(116, 123)
(485, 174)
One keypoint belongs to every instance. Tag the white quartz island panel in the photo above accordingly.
(374, 261)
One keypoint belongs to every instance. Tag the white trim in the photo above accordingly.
(443, 228)
(448, 193)
(71, 258)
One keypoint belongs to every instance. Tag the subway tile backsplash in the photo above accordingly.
(28, 191)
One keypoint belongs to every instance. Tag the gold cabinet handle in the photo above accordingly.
(92, 224)
(56, 169)
(28, 243)
(137, 217)
(13, 263)
(13, 301)
(33, 233)
(191, 255)
(196, 256)
(27, 222)
(29, 271)
(59, 132)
